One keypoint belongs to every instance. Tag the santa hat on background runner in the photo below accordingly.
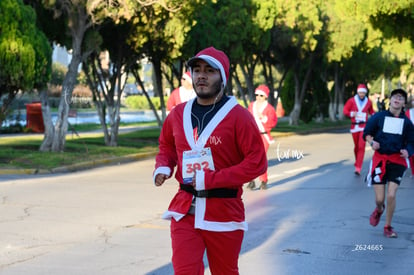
(362, 88)
(187, 76)
(262, 90)
(216, 59)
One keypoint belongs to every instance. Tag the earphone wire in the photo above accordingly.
(200, 128)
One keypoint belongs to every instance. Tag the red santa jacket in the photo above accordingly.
(361, 111)
(268, 121)
(179, 95)
(410, 114)
(232, 136)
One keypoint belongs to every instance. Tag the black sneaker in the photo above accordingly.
(251, 185)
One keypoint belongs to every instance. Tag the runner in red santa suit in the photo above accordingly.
(410, 114)
(358, 108)
(265, 116)
(212, 141)
(183, 93)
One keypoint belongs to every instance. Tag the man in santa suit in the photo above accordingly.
(183, 93)
(358, 108)
(410, 114)
(212, 141)
(265, 116)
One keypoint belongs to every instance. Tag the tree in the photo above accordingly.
(75, 18)
(25, 54)
(123, 43)
(279, 57)
(251, 41)
(227, 25)
(274, 51)
(356, 52)
(155, 37)
(106, 70)
(71, 25)
(395, 20)
(305, 23)
(345, 34)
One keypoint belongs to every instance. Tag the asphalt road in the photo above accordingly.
(313, 219)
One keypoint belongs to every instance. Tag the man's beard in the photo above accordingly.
(214, 91)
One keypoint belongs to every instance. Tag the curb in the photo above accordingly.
(80, 166)
(102, 162)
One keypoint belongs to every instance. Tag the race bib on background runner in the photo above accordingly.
(360, 117)
(393, 125)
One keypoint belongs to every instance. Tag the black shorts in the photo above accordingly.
(393, 172)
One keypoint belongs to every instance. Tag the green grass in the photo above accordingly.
(23, 151)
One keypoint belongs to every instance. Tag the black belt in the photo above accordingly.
(211, 193)
(356, 123)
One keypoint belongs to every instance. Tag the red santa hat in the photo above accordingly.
(362, 88)
(216, 59)
(262, 90)
(187, 76)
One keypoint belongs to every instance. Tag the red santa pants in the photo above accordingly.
(189, 245)
(263, 177)
(359, 149)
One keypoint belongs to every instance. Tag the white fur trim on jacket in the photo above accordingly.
(200, 210)
(200, 203)
(161, 170)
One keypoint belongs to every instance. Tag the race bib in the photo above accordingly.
(361, 117)
(194, 160)
(393, 125)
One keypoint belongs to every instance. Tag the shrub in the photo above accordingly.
(140, 102)
(82, 91)
(81, 96)
(54, 90)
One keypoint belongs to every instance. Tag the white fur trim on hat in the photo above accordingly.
(260, 92)
(362, 89)
(187, 77)
(215, 64)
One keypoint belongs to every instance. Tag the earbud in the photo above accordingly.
(218, 95)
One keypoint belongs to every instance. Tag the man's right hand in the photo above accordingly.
(160, 179)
